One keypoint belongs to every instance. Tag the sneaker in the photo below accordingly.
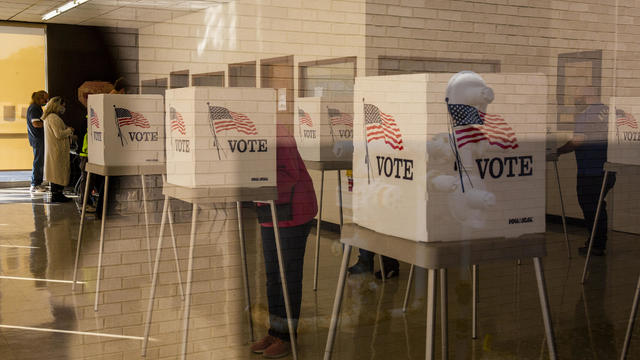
(37, 189)
(278, 349)
(361, 267)
(260, 346)
(594, 251)
(388, 274)
(90, 209)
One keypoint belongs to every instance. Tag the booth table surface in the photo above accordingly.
(437, 255)
(328, 165)
(155, 169)
(220, 194)
(615, 167)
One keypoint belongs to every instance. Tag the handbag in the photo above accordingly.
(284, 211)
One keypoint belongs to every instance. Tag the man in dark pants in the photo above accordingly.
(36, 138)
(589, 143)
(365, 264)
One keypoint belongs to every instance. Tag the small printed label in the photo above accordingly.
(259, 179)
(522, 220)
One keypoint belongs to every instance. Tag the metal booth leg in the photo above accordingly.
(104, 219)
(175, 248)
(431, 313)
(318, 225)
(146, 218)
(595, 227)
(84, 207)
(340, 199)
(444, 317)
(632, 320)
(187, 304)
(245, 271)
(154, 277)
(337, 302)
(283, 279)
(564, 218)
(474, 302)
(544, 304)
(407, 292)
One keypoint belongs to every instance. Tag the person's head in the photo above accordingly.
(586, 96)
(118, 86)
(39, 97)
(56, 105)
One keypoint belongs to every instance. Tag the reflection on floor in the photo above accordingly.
(40, 316)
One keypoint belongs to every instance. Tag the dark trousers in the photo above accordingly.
(588, 189)
(293, 241)
(56, 190)
(387, 262)
(38, 163)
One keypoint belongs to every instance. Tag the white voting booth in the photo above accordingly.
(125, 138)
(429, 186)
(624, 134)
(221, 137)
(410, 183)
(221, 148)
(323, 128)
(125, 130)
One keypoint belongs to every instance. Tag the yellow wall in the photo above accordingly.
(22, 70)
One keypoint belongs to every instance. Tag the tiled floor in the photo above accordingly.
(42, 318)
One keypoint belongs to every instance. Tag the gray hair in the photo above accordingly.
(55, 106)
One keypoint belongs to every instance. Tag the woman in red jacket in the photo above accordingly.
(297, 207)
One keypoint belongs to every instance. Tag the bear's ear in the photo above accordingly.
(487, 94)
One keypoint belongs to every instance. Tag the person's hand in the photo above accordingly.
(37, 124)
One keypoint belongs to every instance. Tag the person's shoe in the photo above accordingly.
(278, 349)
(37, 189)
(361, 267)
(260, 346)
(388, 274)
(594, 251)
(90, 209)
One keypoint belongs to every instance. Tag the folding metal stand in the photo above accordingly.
(107, 172)
(554, 159)
(323, 166)
(632, 320)
(209, 195)
(438, 256)
(608, 167)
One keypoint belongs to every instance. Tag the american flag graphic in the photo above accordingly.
(93, 118)
(472, 126)
(381, 126)
(625, 119)
(126, 117)
(339, 118)
(224, 119)
(177, 122)
(304, 118)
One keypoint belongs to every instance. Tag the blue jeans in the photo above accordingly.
(38, 163)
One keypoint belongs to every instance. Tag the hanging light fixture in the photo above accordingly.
(66, 7)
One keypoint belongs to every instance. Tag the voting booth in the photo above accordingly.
(125, 130)
(323, 128)
(624, 134)
(221, 137)
(446, 157)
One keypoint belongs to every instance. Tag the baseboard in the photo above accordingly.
(14, 184)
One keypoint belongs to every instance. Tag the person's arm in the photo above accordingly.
(59, 129)
(571, 145)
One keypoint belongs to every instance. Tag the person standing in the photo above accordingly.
(35, 133)
(296, 206)
(589, 143)
(56, 163)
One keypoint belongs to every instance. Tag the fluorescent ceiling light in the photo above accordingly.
(66, 7)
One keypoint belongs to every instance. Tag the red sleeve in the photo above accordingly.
(288, 170)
